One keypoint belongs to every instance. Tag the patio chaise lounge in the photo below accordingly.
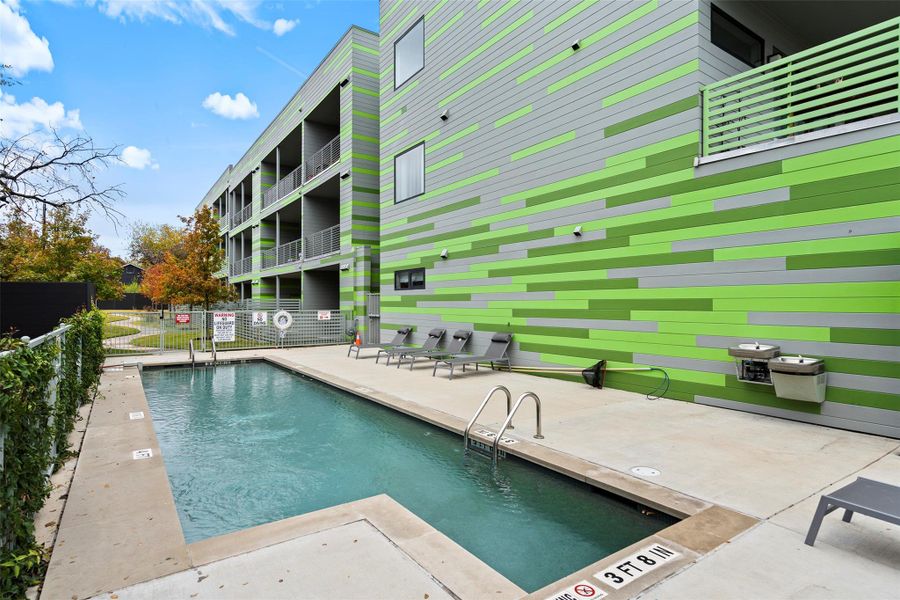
(434, 338)
(398, 340)
(458, 341)
(864, 496)
(495, 353)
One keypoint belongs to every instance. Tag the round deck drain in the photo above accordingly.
(645, 471)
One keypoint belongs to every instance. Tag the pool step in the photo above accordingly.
(485, 449)
(498, 437)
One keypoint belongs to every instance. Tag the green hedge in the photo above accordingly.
(25, 377)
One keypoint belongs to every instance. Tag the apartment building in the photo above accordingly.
(299, 211)
(649, 182)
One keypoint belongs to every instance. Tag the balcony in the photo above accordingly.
(223, 222)
(241, 216)
(322, 242)
(288, 184)
(323, 158)
(282, 255)
(845, 82)
(240, 267)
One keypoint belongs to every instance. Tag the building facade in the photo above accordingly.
(648, 182)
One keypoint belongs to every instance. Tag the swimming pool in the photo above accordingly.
(246, 444)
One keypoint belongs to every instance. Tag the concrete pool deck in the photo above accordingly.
(748, 484)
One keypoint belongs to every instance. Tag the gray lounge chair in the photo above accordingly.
(398, 340)
(434, 338)
(864, 496)
(458, 341)
(495, 353)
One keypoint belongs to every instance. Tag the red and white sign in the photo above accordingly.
(223, 326)
(324, 315)
(182, 318)
(579, 591)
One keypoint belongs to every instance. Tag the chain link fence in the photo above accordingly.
(140, 332)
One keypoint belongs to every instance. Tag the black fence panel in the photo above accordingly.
(131, 301)
(34, 308)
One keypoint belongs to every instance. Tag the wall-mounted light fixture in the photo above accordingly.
(345, 266)
(445, 115)
(345, 174)
(577, 231)
(444, 254)
(576, 44)
(345, 81)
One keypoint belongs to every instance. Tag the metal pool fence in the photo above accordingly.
(141, 332)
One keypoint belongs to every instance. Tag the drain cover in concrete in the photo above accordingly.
(645, 471)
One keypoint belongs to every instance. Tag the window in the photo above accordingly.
(409, 53)
(735, 39)
(410, 279)
(409, 173)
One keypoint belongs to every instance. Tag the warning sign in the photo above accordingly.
(182, 318)
(260, 319)
(223, 326)
(579, 591)
(637, 565)
(324, 315)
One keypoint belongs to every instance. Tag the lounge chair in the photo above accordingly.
(431, 342)
(398, 340)
(455, 346)
(495, 353)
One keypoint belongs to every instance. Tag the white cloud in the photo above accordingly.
(282, 26)
(215, 14)
(18, 119)
(224, 105)
(23, 50)
(138, 158)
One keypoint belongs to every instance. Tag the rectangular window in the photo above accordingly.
(735, 39)
(409, 173)
(409, 53)
(409, 279)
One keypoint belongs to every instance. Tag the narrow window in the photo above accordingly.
(409, 279)
(409, 173)
(735, 39)
(409, 53)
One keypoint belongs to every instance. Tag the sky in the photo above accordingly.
(181, 87)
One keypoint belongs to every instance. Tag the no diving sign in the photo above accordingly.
(579, 591)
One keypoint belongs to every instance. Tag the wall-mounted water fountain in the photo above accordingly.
(794, 377)
(752, 361)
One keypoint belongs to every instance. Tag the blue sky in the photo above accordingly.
(137, 73)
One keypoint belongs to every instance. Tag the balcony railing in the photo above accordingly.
(242, 215)
(324, 158)
(846, 80)
(282, 255)
(240, 267)
(223, 222)
(322, 242)
(288, 184)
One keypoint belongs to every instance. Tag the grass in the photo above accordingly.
(180, 340)
(112, 318)
(112, 331)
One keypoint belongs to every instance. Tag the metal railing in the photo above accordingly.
(323, 158)
(849, 79)
(322, 242)
(223, 222)
(240, 267)
(285, 186)
(242, 215)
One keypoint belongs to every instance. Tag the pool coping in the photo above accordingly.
(703, 527)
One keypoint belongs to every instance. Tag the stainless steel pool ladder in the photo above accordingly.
(508, 423)
(214, 351)
(191, 351)
(496, 388)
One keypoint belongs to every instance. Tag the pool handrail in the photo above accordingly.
(496, 388)
(214, 351)
(507, 424)
(191, 351)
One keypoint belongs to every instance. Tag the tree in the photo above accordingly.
(66, 250)
(149, 243)
(43, 169)
(189, 279)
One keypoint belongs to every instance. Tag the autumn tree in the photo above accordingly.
(189, 279)
(66, 250)
(148, 243)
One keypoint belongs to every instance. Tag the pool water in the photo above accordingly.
(246, 444)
